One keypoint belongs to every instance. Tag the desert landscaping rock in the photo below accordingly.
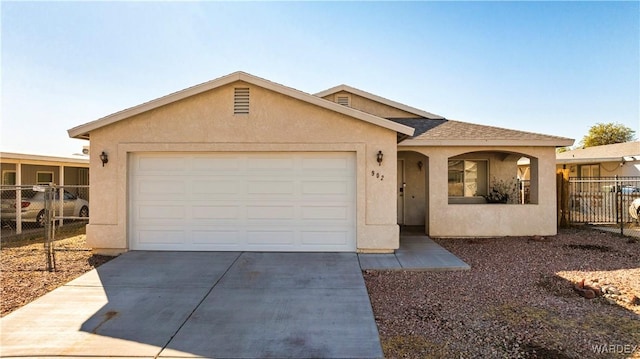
(517, 301)
(23, 271)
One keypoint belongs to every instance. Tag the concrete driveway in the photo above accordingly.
(203, 304)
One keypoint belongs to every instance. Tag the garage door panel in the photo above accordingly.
(320, 213)
(243, 201)
(325, 188)
(325, 238)
(266, 163)
(211, 186)
(229, 238)
(206, 164)
(160, 187)
(161, 236)
(213, 212)
(271, 188)
(155, 211)
(271, 212)
(162, 164)
(325, 163)
(267, 238)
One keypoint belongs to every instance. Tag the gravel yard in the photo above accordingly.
(23, 274)
(517, 301)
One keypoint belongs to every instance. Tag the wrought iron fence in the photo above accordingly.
(604, 201)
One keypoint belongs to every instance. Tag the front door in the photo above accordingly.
(401, 187)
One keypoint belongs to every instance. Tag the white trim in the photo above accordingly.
(83, 131)
(596, 159)
(15, 177)
(379, 99)
(45, 172)
(27, 159)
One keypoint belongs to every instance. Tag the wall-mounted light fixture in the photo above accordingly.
(104, 158)
(420, 164)
(379, 158)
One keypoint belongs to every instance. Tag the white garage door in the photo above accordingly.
(243, 201)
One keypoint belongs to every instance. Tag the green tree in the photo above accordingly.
(607, 134)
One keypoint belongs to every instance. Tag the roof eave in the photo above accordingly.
(370, 96)
(83, 131)
(24, 158)
(559, 142)
(596, 160)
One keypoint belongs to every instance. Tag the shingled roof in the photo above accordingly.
(450, 132)
(435, 130)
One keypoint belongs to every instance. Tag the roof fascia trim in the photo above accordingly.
(380, 99)
(595, 160)
(23, 158)
(467, 143)
(82, 131)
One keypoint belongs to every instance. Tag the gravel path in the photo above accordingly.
(517, 301)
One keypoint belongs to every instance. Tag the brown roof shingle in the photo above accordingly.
(457, 130)
(450, 132)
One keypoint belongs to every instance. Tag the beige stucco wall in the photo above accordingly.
(372, 107)
(488, 220)
(206, 123)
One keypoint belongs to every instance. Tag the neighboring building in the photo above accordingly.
(620, 159)
(242, 163)
(20, 169)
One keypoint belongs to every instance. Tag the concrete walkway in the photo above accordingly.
(202, 304)
(417, 252)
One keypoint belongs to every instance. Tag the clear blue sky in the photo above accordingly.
(549, 67)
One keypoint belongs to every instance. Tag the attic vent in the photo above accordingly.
(343, 100)
(241, 100)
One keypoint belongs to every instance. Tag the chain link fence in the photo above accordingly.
(610, 203)
(40, 210)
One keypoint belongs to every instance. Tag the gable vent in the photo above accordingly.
(342, 100)
(241, 100)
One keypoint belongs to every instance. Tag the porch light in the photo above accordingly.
(379, 158)
(104, 158)
(420, 164)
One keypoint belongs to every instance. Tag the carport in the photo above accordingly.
(25, 170)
